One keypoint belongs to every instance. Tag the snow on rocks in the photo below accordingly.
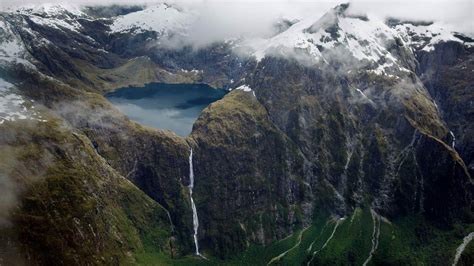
(51, 10)
(333, 37)
(339, 36)
(246, 88)
(11, 47)
(58, 24)
(13, 107)
(424, 36)
(58, 16)
(162, 18)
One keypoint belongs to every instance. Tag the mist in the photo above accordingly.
(221, 20)
(8, 199)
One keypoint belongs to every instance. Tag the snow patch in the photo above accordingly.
(161, 18)
(13, 107)
(51, 10)
(365, 40)
(425, 37)
(12, 49)
(57, 23)
(245, 88)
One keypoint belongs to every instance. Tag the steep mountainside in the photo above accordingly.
(344, 140)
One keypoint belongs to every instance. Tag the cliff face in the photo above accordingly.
(359, 127)
(250, 185)
(446, 74)
(346, 142)
(318, 144)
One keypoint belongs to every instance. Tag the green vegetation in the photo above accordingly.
(408, 241)
(74, 208)
(414, 241)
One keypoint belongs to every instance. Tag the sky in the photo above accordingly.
(252, 17)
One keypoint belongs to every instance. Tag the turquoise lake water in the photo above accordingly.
(166, 106)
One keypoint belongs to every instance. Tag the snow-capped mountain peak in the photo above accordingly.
(160, 18)
(371, 42)
(334, 36)
(49, 10)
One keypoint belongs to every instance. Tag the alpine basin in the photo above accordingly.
(165, 106)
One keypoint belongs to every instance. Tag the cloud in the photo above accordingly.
(220, 20)
(224, 18)
(16, 170)
(8, 199)
(457, 13)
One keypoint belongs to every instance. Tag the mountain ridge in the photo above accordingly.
(380, 128)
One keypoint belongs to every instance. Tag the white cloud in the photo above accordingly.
(225, 19)
(221, 19)
(457, 13)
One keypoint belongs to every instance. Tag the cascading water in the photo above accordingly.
(461, 248)
(375, 236)
(339, 221)
(193, 206)
(453, 141)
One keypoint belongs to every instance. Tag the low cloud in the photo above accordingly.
(222, 19)
(81, 114)
(457, 13)
(16, 170)
(8, 199)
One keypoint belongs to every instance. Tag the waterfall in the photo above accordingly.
(453, 143)
(193, 206)
(375, 236)
(461, 247)
(300, 238)
(327, 241)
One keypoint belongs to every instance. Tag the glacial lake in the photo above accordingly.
(165, 106)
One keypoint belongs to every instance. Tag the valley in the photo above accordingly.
(127, 138)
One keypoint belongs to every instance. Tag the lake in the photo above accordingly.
(165, 106)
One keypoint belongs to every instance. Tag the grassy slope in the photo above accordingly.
(78, 210)
(408, 241)
(413, 241)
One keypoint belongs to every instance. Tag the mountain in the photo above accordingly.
(344, 139)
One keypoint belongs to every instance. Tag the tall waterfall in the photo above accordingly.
(193, 206)
(453, 141)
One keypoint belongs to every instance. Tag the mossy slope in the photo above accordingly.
(73, 208)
